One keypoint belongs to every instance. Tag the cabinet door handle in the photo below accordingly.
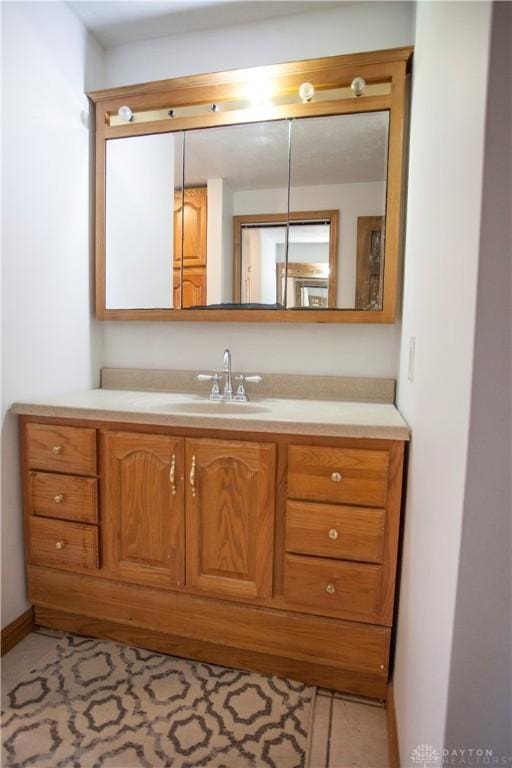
(336, 477)
(192, 477)
(60, 544)
(57, 449)
(59, 498)
(172, 474)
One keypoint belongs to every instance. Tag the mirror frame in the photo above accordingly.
(388, 66)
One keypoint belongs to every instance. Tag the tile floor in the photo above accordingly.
(346, 733)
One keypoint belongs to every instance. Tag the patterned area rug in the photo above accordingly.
(99, 703)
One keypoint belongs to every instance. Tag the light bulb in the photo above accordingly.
(259, 92)
(306, 92)
(358, 85)
(125, 113)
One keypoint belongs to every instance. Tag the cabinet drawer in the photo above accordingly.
(62, 545)
(329, 530)
(61, 449)
(63, 496)
(349, 590)
(339, 475)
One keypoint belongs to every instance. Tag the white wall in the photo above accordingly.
(219, 242)
(481, 668)
(49, 341)
(442, 250)
(139, 199)
(365, 350)
(360, 26)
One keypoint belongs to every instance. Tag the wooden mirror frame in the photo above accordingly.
(377, 67)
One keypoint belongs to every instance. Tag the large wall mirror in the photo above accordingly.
(205, 212)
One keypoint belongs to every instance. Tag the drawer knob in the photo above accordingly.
(60, 544)
(59, 498)
(333, 533)
(336, 477)
(57, 449)
(330, 588)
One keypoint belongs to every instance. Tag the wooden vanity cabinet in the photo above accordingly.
(275, 553)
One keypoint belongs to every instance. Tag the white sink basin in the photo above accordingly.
(214, 407)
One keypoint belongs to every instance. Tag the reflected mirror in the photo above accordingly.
(290, 260)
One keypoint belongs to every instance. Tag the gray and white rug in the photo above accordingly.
(99, 704)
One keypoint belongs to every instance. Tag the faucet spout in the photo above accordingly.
(228, 384)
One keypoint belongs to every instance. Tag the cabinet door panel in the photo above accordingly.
(143, 519)
(230, 517)
(194, 219)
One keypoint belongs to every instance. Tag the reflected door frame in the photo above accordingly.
(332, 217)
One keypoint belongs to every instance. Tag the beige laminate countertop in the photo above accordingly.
(279, 415)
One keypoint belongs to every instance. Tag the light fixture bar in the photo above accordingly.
(197, 110)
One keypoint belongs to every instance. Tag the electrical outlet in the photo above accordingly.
(412, 350)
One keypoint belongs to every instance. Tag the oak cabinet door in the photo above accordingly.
(230, 517)
(143, 510)
(194, 207)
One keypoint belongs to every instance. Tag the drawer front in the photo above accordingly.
(61, 449)
(329, 530)
(63, 496)
(338, 475)
(331, 587)
(63, 545)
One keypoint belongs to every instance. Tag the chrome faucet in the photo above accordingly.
(228, 384)
(227, 393)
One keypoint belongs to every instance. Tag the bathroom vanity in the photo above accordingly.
(259, 535)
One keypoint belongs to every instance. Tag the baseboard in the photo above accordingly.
(394, 753)
(14, 632)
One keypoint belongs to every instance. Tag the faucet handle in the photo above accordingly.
(215, 379)
(241, 394)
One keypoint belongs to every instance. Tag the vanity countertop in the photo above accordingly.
(280, 415)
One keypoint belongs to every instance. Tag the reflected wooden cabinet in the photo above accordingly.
(143, 537)
(194, 206)
(230, 517)
(194, 287)
(190, 218)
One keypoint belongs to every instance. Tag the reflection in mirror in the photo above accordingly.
(229, 171)
(340, 162)
(263, 249)
(261, 257)
(142, 173)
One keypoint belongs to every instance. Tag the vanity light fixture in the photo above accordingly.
(306, 92)
(125, 114)
(358, 86)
